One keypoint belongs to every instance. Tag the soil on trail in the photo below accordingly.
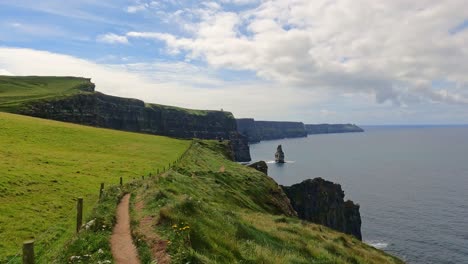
(147, 228)
(123, 249)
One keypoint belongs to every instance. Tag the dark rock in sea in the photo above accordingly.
(260, 166)
(101, 110)
(322, 202)
(332, 128)
(279, 155)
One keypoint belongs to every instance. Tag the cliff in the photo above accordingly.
(332, 128)
(322, 202)
(82, 105)
(247, 127)
(257, 131)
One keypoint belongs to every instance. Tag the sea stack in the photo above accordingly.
(279, 155)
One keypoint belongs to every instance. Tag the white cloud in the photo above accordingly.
(177, 84)
(136, 8)
(112, 38)
(392, 50)
(5, 72)
(240, 2)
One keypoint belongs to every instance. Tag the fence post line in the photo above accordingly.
(121, 181)
(28, 252)
(101, 190)
(79, 214)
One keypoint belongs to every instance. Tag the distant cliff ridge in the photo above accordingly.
(100, 110)
(257, 131)
(332, 128)
(322, 202)
(247, 127)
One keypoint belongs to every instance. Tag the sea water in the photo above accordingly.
(411, 183)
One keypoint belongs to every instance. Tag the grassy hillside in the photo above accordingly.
(211, 210)
(45, 165)
(17, 90)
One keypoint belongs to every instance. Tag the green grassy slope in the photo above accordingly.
(17, 90)
(45, 165)
(212, 210)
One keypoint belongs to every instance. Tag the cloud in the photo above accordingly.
(5, 72)
(136, 8)
(240, 2)
(112, 38)
(168, 83)
(392, 50)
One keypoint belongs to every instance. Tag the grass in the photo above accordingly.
(186, 110)
(45, 165)
(18, 90)
(91, 245)
(237, 215)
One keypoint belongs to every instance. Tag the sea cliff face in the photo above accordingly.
(257, 131)
(332, 128)
(247, 127)
(322, 202)
(100, 110)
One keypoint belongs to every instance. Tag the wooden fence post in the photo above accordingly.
(121, 181)
(101, 190)
(142, 177)
(79, 214)
(28, 252)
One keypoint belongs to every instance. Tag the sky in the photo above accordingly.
(324, 61)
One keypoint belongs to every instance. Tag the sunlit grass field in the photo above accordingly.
(45, 165)
(17, 90)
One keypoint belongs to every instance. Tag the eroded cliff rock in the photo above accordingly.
(322, 202)
(257, 131)
(247, 127)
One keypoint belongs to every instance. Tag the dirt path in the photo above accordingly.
(158, 246)
(123, 249)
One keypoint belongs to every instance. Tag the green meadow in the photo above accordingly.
(45, 165)
(17, 90)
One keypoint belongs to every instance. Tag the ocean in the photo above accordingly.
(411, 183)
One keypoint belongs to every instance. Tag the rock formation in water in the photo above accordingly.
(100, 110)
(322, 202)
(332, 128)
(279, 155)
(260, 166)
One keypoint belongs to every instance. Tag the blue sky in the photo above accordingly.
(314, 61)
